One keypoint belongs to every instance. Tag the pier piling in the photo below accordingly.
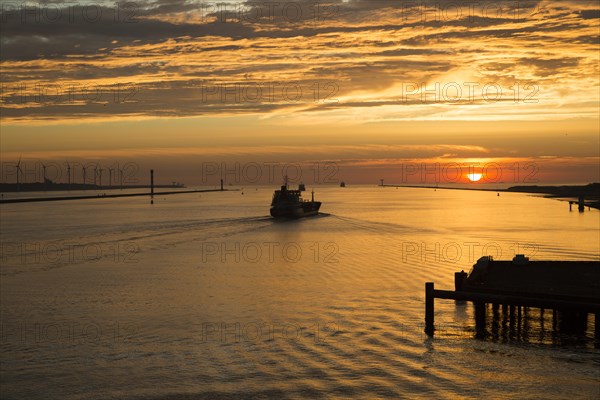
(459, 278)
(429, 308)
(480, 318)
(597, 329)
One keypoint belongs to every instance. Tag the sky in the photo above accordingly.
(360, 90)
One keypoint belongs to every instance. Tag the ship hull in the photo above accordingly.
(296, 211)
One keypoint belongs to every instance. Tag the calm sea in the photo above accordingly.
(203, 296)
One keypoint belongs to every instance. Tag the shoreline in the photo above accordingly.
(567, 193)
(106, 196)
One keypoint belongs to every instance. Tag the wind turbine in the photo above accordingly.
(100, 176)
(110, 170)
(121, 178)
(83, 174)
(95, 173)
(45, 181)
(69, 174)
(19, 171)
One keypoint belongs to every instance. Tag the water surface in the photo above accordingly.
(205, 296)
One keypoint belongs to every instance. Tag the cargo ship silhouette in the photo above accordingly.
(288, 203)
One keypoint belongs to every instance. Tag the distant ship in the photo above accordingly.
(342, 184)
(288, 203)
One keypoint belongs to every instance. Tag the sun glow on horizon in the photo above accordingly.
(474, 177)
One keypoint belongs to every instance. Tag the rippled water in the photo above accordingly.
(205, 296)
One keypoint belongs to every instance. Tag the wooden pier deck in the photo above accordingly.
(566, 286)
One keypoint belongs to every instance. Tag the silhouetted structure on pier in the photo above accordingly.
(151, 186)
(571, 288)
(580, 204)
(152, 182)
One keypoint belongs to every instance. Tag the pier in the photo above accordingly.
(114, 195)
(571, 288)
(104, 196)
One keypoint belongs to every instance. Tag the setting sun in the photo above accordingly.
(474, 177)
